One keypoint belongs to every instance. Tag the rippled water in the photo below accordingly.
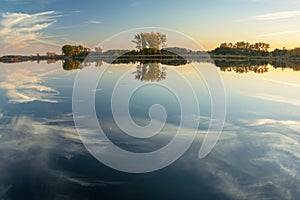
(42, 156)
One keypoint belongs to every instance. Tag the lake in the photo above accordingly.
(43, 156)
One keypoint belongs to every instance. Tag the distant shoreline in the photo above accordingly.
(21, 58)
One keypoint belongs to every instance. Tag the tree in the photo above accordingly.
(150, 40)
(75, 51)
(67, 50)
(98, 49)
(243, 48)
(279, 52)
(296, 52)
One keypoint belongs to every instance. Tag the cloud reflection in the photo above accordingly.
(28, 142)
(275, 98)
(255, 159)
(24, 86)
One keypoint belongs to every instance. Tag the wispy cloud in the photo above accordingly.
(19, 30)
(277, 15)
(275, 98)
(75, 11)
(93, 22)
(264, 145)
(294, 125)
(278, 33)
(47, 137)
(280, 82)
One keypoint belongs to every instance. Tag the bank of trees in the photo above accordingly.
(293, 53)
(154, 43)
(251, 50)
(242, 48)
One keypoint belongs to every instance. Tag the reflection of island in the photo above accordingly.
(173, 61)
(256, 66)
(150, 71)
(286, 65)
(241, 67)
(246, 69)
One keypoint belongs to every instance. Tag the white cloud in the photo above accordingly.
(278, 33)
(277, 15)
(275, 98)
(272, 1)
(293, 125)
(93, 22)
(280, 82)
(19, 30)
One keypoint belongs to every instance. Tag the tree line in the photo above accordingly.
(257, 49)
(155, 43)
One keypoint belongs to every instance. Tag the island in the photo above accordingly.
(151, 47)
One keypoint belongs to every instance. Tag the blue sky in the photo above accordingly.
(31, 26)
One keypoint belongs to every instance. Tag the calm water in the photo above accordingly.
(42, 156)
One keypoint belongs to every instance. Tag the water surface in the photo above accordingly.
(257, 156)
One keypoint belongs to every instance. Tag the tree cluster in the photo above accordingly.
(150, 40)
(286, 53)
(243, 48)
(257, 49)
(258, 46)
(75, 51)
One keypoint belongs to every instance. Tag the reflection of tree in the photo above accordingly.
(99, 63)
(246, 69)
(256, 66)
(150, 72)
(238, 66)
(71, 64)
(286, 65)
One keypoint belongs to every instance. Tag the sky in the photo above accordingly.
(36, 26)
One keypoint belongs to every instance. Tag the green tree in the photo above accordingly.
(150, 40)
(67, 50)
(75, 51)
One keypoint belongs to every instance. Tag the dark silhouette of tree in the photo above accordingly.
(67, 50)
(280, 52)
(242, 48)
